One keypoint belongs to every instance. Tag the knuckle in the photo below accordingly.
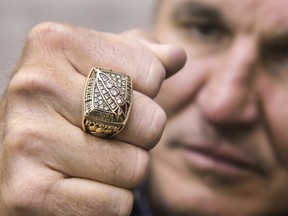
(122, 200)
(141, 166)
(154, 77)
(154, 71)
(126, 202)
(22, 196)
(20, 203)
(154, 130)
(152, 118)
(22, 137)
(157, 127)
(31, 80)
(47, 34)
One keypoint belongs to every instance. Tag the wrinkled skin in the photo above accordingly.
(225, 147)
(49, 166)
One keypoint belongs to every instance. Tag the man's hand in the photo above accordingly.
(48, 165)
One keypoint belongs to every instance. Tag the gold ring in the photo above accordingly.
(107, 102)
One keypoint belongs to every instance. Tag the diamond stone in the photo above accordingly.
(113, 105)
(109, 84)
(114, 92)
(119, 100)
(104, 77)
(106, 96)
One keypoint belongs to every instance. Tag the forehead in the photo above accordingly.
(246, 14)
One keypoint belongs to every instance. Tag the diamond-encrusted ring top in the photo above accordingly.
(107, 102)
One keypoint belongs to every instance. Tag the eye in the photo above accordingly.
(205, 30)
(275, 57)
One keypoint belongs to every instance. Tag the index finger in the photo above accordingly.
(147, 63)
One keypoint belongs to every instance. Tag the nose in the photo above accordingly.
(228, 96)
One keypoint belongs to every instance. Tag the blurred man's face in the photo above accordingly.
(225, 148)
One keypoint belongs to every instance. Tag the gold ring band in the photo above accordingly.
(107, 102)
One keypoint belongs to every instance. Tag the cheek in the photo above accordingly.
(275, 100)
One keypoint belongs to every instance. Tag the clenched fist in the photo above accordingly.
(48, 165)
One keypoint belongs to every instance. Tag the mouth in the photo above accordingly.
(217, 161)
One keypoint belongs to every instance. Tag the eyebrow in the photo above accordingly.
(197, 9)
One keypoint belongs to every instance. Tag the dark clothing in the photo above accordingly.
(141, 205)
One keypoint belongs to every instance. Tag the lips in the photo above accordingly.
(218, 160)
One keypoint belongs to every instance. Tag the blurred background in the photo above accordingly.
(17, 17)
